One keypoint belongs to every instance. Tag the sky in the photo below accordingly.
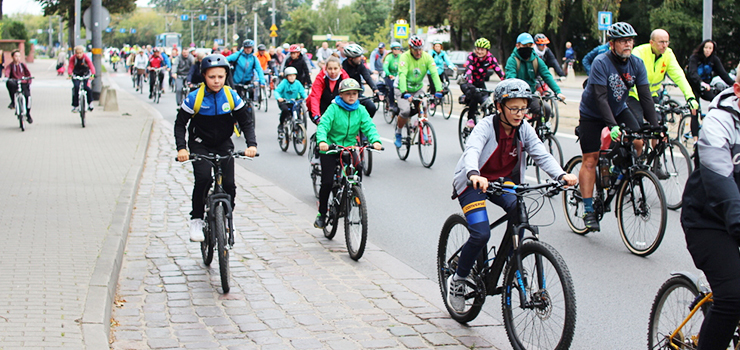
(33, 7)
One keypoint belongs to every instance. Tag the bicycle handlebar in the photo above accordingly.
(81, 77)
(497, 186)
(216, 157)
(334, 148)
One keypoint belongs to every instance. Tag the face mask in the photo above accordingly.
(525, 52)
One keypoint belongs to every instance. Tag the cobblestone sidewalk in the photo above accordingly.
(291, 287)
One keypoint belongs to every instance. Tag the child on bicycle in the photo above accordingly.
(80, 65)
(288, 89)
(339, 125)
(495, 149)
(15, 71)
(209, 115)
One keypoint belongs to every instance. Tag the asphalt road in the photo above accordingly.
(409, 203)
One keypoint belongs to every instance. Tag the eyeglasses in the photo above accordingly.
(524, 110)
(665, 42)
(625, 40)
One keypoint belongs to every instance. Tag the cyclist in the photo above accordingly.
(209, 131)
(711, 216)
(442, 61)
(412, 67)
(526, 65)
(589, 58)
(297, 61)
(195, 78)
(390, 68)
(182, 65)
(703, 66)
(263, 56)
(245, 63)
(495, 149)
(15, 71)
(479, 61)
(80, 65)
(339, 125)
(288, 89)
(325, 88)
(140, 62)
(569, 58)
(660, 61)
(356, 69)
(544, 52)
(604, 104)
(156, 62)
(376, 59)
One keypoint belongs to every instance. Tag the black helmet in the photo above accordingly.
(213, 60)
(620, 30)
(248, 43)
(261, 47)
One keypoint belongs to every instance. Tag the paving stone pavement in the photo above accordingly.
(291, 287)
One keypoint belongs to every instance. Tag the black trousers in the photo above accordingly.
(76, 95)
(369, 105)
(13, 87)
(203, 176)
(474, 97)
(328, 165)
(716, 253)
(442, 77)
(152, 78)
(284, 112)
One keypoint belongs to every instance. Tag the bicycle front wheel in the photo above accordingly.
(553, 146)
(548, 319)
(451, 240)
(20, 109)
(555, 117)
(206, 247)
(642, 213)
(223, 253)
(427, 144)
(355, 223)
(367, 162)
(433, 107)
(403, 151)
(670, 309)
(677, 166)
(447, 100)
(83, 108)
(299, 139)
(388, 115)
(684, 132)
(572, 200)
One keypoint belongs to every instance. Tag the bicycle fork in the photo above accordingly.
(225, 200)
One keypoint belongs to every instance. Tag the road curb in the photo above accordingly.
(103, 284)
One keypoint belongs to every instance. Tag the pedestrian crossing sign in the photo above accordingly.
(401, 31)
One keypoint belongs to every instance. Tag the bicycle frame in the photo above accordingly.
(697, 304)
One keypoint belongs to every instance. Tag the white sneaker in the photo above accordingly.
(456, 294)
(75, 110)
(196, 230)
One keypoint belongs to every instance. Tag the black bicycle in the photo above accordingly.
(294, 129)
(19, 99)
(347, 199)
(538, 300)
(441, 102)
(551, 110)
(486, 107)
(547, 136)
(641, 205)
(157, 93)
(219, 222)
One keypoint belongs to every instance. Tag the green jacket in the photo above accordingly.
(411, 72)
(526, 71)
(339, 126)
(390, 65)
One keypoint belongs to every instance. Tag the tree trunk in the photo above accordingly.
(1, 10)
(453, 38)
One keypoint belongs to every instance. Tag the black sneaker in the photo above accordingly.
(11, 106)
(29, 119)
(320, 222)
(592, 222)
(660, 172)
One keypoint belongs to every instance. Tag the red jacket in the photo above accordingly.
(18, 71)
(88, 62)
(314, 97)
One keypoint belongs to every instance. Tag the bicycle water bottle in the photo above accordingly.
(604, 172)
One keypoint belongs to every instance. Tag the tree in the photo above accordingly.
(66, 8)
(147, 22)
(301, 26)
(373, 14)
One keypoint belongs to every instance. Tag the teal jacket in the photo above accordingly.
(526, 71)
(290, 91)
(339, 126)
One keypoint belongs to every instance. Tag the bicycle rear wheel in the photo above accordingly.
(206, 247)
(403, 151)
(299, 139)
(433, 107)
(219, 217)
(427, 144)
(670, 308)
(549, 319)
(553, 146)
(677, 165)
(447, 100)
(642, 213)
(555, 117)
(462, 130)
(332, 214)
(684, 132)
(572, 200)
(388, 115)
(83, 108)
(355, 222)
(453, 236)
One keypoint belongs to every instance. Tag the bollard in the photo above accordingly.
(103, 91)
(111, 100)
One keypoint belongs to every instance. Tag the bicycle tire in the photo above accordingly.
(555, 117)
(427, 144)
(20, 108)
(299, 139)
(403, 151)
(367, 162)
(670, 308)
(684, 132)
(388, 115)
(572, 200)
(462, 130)
(678, 167)
(285, 141)
(332, 214)
(453, 236)
(432, 110)
(542, 318)
(207, 246)
(447, 100)
(223, 253)
(356, 209)
(83, 107)
(553, 147)
(642, 244)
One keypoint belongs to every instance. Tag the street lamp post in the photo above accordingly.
(273, 19)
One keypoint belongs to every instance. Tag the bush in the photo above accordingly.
(14, 30)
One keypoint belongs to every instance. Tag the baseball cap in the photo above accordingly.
(381, 45)
(525, 38)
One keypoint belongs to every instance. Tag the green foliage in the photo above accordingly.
(373, 14)
(147, 23)
(11, 29)
(301, 26)
(65, 8)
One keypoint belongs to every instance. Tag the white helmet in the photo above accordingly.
(353, 50)
(290, 70)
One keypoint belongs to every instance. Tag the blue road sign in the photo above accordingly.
(133, 30)
(184, 17)
(605, 20)
(108, 30)
(203, 17)
(122, 30)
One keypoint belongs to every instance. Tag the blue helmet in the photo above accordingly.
(212, 61)
(248, 43)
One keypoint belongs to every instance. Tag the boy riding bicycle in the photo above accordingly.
(495, 149)
(340, 124)
(288, 89)
(15, 71)
(209, 114)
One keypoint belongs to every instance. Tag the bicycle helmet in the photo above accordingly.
(483, 43)
(213, 61)
(294, 48)
(415, 42)
(541, 39)
(261, 47)
(248, 43)
(395, 45)
(290, 70)
(435, 42)
(353, 50)
(620, 30)
(286, 46)
(512, 88)
(349, 85)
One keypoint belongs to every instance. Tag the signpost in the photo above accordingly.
(401, 29)
(605, 21)
(273, 31)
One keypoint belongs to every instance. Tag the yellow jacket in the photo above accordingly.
(658, 68)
